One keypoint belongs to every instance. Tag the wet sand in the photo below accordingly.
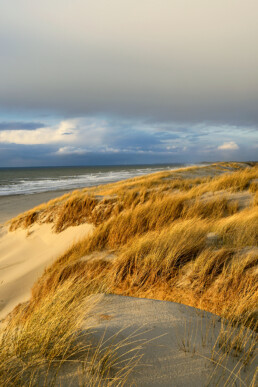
(11, 206)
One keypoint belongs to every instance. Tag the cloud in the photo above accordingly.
(231, 145)
(110, 88)
(97, 140)
(70, 150)
(93, 133)
(106, 57)
(21, 125)
(64, 132)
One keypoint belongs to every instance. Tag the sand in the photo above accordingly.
(11, 206)
(175, 341)
(24, 254)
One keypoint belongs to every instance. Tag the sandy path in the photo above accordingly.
(23, 259)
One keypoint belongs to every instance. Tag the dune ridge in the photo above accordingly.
(187, 236)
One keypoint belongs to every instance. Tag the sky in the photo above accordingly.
(94, 82)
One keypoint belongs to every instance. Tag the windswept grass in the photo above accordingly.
(157, 258)
(174, 236)
(154, 215)
(84, 206)
(239, 230)
(90, 272)
(32, 343)
(237, 181)
(161, 239)
(225, 282)
(75, 210)
(177, 265)
(229, 348)
(37, 347)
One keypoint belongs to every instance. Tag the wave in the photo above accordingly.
(27, 185)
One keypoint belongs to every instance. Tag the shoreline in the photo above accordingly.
(13, 205)
(195, 244)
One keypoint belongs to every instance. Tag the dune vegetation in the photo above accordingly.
(174, 236)
(37, 349)
(188, 236)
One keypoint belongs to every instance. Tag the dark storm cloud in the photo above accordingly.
(128, 81)
(21, 125)
(94, 140)
(181, 60)
(133, 139)
(46, 156)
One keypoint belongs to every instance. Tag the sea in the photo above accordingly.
(28, 181)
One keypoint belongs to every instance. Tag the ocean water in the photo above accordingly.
(23, 181)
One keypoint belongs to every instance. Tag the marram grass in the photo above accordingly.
(179, 236)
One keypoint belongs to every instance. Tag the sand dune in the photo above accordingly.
(24, 254)
(178, 344)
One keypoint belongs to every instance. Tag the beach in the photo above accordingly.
(104, 261)
(24, 188)
(24, 257)
(13, 205)
(128, 193)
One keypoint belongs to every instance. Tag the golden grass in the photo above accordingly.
(30, 343)
(225, 282)
(82, 206)
(177, 265)
(171, 241)
(237, 181)
(239, 230)
(38, 346)
(160, 237)
(74, 210)
(154, 258)
(231, 342)
(154, 215)
(90, 272)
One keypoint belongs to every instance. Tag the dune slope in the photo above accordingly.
(25, 254)
(187, 236)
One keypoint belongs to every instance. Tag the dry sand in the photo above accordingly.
(176, 343)
(176, 340)
(24, 254)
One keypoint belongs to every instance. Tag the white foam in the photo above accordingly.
(23, 185)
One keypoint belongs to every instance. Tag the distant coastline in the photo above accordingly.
(24, 188)
(23, 181)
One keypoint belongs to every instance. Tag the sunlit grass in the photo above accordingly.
(158, 227)
(38, 344)
(169, 239)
